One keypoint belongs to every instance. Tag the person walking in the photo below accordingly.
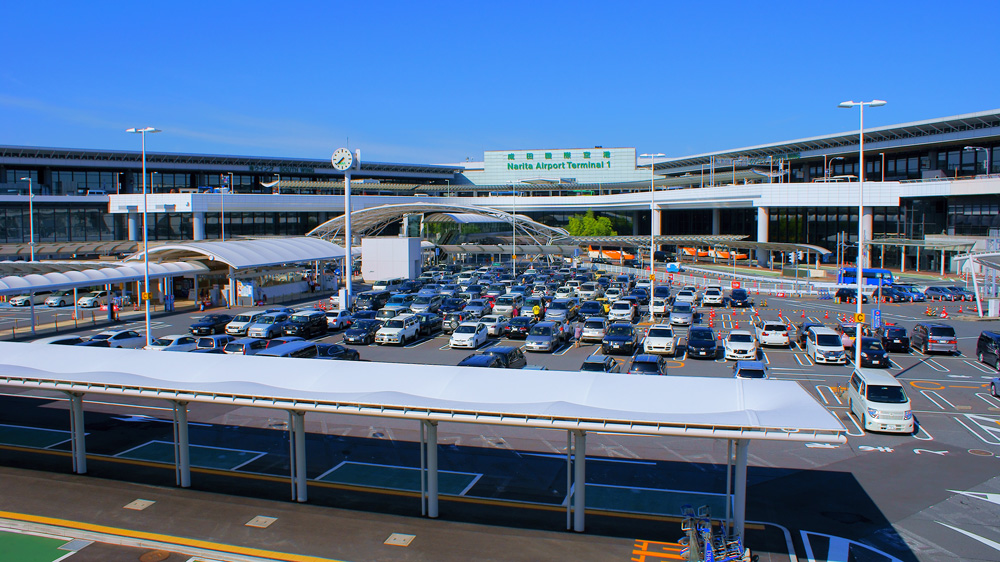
(577, 333)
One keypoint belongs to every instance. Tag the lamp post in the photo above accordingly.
(826, 167)
(513, 230)
(977, 148)
(145, 231)
(652, 233)
(31, 217)
(222, 218)
(861, 217)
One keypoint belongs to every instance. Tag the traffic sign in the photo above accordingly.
(145, 295)
(670, 276)
(736, 284)
(877, 319)
(652, 277)
(859, 317)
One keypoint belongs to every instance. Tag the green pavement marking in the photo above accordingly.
(200, 455)
(29, 548)
(397, 478)
(31, 436)
(652, 501)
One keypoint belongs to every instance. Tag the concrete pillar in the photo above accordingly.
(134, 232)
(580, 481)
(198, 224)
(763, 224)
(297, 444)
(182, 450)
(942, 271)
(867, 225)
(432, 469)
(740, 488)
(78, 444)
(716, 221)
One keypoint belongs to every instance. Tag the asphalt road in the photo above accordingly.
(933, 495)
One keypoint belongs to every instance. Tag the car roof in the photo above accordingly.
(646, 358)
(878, 376)
(741, 332)
(750, 365)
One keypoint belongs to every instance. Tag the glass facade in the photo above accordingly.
(61, 224)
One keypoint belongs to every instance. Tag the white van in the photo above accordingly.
(508, 305)
(388, 285)
(877, 399)
(823, 345)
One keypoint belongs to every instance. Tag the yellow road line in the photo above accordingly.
(166, 539)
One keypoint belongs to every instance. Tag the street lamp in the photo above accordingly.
(31, 217)
(222, 218)
(861, 214)
(513, 230)
(145, 231)
(652, 234)
(826, 167)
(987, 156)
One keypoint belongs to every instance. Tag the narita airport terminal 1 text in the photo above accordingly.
(558, 165)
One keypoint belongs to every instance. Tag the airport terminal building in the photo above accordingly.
(930, 181)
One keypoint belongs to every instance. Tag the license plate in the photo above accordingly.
(896, 341)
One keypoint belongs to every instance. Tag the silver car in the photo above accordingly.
(682, 314)
(593, 329)
(268, 326)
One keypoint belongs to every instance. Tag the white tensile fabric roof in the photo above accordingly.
(114, 273)
(723, 408)
(241, 254)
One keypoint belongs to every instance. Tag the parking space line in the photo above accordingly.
(920, 429)
(931, 394)
(972, 431)
(893, 364)
(861, 430)
(936, 366)
(977, 365)
(989, 399)
(819, 390)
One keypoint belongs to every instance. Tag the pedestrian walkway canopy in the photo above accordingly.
(245, 254)
(111, 274)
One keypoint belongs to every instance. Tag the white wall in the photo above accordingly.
(390, 257)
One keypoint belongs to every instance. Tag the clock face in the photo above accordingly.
(342, 159)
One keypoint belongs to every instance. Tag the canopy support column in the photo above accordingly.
(729, 486)
(78, 444)
(297, 455)
(740, 500)
(182, 450)
(580, 480)
(31, 303)
(432, 468)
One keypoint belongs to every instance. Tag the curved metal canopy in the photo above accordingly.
(370, 222)
(243, 254)
(91, 277)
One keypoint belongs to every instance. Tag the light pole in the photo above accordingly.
(513, 230)
(987, 155)
(31, 217)
(652, 233)
(826, 167)
(222, 218)
(861, 218)
(145, 230)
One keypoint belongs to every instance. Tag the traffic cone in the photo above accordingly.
(944, 312)
(928, 311)
(803, 314)
(711, 323)
(959, 309)
(737, 325)
(720, 336)
(826, 315)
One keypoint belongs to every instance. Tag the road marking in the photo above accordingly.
(819, 390)
(992, 544)
(978, 366)
(928, 394)
(936, 366)
(972, 431)
(989, 399)
(861, 430)
(921, 451)
(894, 365)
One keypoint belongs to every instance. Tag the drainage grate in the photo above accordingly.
(399, 539)
(261, 522)
(139, 505)
(75, 545)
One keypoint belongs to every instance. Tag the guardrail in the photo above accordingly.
(703, 277)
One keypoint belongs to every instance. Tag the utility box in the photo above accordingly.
(390, 257)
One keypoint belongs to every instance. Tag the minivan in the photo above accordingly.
(879, 402)
(306, 324)
(508, 305)
(371, 300)
(988, 348)
(929, 336)
(823, 345)
(388, 285)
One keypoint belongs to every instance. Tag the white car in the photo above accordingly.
(660, 340)
(565, 292)
(177, 342)
(772, 332)
(122, 338)
(659, 306)
(622, 310)
(613, 294)
(688, 296)
(496, 324)
(337, 319)
(740, 344)
(26, 300)
(59, 298)
(93, 300)
(399, 330)
(468, 334)
(712, 297)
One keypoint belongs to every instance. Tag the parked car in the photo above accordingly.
(988, 348)
(28, 299)
(911, 291)
(713, 297)
(60, 340)
(823, 345)
(660, 339)
(426, 303)
(850, 295)
(893, 338)
(937, 293)
(682, 314)
(772, 332)
(561, 310)
(478, 308)
(961, 293)
(600, 363)
(399, 330)
(209, 342)
(269, 325)
(306, 324)
(546, 336)
(519, 327)
(930, 336)
(238, 326)
(362, 331)
(623, 311)
(177, 342)
(512, 357)
(453, 320)
(879, 402)
(482, 360)
(59, 298)
(496, 324)
(336, 351)
(740, 298)
(468, 335)
(121, 338)
(338, 319)
(701, 343)
(648, 364)
(620, 338)
(210, 324)
(93, 299)
(429, 322)
(593, 329)
(740, 344)
(800, 332)
(245, 346)
(872, 353)
(750, 370)
(591, 308)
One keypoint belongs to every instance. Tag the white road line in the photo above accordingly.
(861, 431)
(920, 429)
(894, 365)
(978, 366)
(936, 366)
(819, 390)
(931, 394)
(972, 431)
(989, 399)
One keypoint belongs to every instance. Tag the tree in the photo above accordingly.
(589, 225)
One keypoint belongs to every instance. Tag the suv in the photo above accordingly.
(601, 364)
(593, 329)
(508, 305)
(701, 343)
(306, 324)
(927, 337)
(850, 295)
(622, 310)
(648, 364)
(988, 349)
(399, 330)
(893, 338)
(620, 337)
(659, 339)
(512, 357)
(713, 296)
(739, 298)
(823, 345)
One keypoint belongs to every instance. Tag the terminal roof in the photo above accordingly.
(110, 273)
(243, 254)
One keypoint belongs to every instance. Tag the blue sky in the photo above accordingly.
(433, 82)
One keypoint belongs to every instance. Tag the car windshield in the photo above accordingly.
(682, 308)
(366, 324)
(234, 347)
(206, 342)
(541, 331)
(769, 327)
(660, 333)
(477, 302)
(593, 324)
(886, 394)
(300, 319)
(100, 337)
(242, 318)
(620, 330)
(394, 324)
(505, 301)
(559, 305)
(895, 332)
(700, 335)
(465, 329)
(597, 366)
(397, 299)
(740, 338)
(828, 340)
(267, 320)
(943, 331)
(489, 320)
(162, 342)
(422, 299)
(621, 306)
(644, 367)
(750, 374)
(520, 320)
(739, 294)
(871, 344)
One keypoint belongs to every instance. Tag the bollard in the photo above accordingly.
(93, 320)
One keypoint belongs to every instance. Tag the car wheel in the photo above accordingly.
(864, 421)
(923, 348)
(993, 389)
(981, 357)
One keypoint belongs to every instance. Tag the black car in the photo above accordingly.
(648, 364)
(641, 295)
(362, 332)
(336, 351)
(363, 315)
(850, 295)
(482, 360)
(430, 322)
(591, 308)
(661, 292)
(512, 357)
(893, 338)
(601, 364)
(701, 342)
(740, 298)
(621, 338)
(94, 343)
(210, 324)
(872, 353)
(892, 294)
(452, 304)
(519, 327)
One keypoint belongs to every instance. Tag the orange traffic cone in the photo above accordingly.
(720, 335)
(803, 314)
(737, 325)
(928, 312)
(711, 323)
(959, 309)
(944, 312)
(826, 315)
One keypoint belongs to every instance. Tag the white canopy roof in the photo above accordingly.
(114, 273)
(723, 408)
(241, 254)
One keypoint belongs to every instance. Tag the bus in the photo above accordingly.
(614, 255)
(870, 276)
